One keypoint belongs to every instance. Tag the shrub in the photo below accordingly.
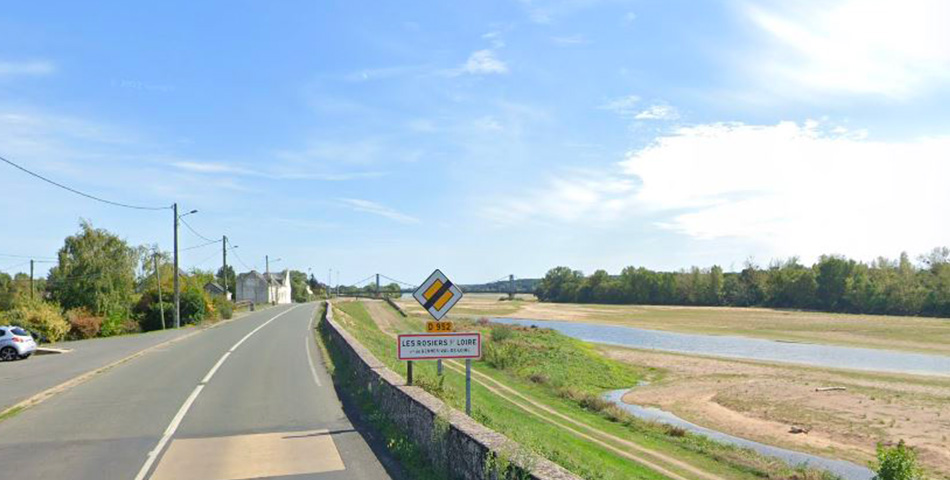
(222, 307)
(194, 307)
(113, 322)
(82, 323)
(897, 463)
(43, 319)
(149, 312)
(500, 333)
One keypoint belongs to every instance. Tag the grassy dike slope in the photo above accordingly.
(542, 390)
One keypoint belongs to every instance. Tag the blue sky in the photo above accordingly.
(484, 138)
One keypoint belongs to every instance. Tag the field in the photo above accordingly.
(762, 401)
(542, 389)
(918, 334)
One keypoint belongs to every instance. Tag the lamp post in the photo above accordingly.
(177, 281)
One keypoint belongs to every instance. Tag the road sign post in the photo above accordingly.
(438, 295)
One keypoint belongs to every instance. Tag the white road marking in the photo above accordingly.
(215, 368)
(313, 369)
(176, 421)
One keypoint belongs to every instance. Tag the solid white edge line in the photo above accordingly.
(313, 370)
(177, 419)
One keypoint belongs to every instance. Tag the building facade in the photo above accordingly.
(264, 288)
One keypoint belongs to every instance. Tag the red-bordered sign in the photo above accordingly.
(433, 346)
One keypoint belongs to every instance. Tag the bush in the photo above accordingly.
(83, 324)
(194, 307)
(149, 312)
(223, 307)
(897, 463)
(112, 324)
(42, 319)
(500, 333)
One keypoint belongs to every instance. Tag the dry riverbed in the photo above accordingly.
(763, 402)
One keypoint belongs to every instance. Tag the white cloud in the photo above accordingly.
(624, 106)
(793, 189)
(30, 68)
(374, 208)
(495, 38)
(658, 112)
(895, 48)
(483, 62)
(570, 40)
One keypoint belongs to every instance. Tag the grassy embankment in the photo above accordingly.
(917, 334)
(586, 435)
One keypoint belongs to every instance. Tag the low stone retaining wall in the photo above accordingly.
(465, 449)
(396, 306)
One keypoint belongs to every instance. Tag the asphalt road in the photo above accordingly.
(249, 399)
(25, 378)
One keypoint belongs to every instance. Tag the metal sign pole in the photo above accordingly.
(438, 366)
(468, 387)
(409, 373)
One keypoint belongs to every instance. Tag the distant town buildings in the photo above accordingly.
(264, 288)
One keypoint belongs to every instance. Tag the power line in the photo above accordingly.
(77, 192)
(11, 267)
(212, 242)
(242, 261)
(196, 232)
(27, 257)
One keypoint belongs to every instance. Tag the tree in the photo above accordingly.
(96, 270)
(298, 287)
(227, 277)
(832, 282)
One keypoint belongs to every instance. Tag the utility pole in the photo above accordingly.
(31, 279)
(224, 260)
(329, 276)
(158, 281)
(177, 281)
(266, 264)
(377, 285)
(511, 287)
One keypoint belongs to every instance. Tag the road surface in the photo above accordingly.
(249, 399)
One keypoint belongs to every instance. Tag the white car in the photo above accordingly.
(15, 343)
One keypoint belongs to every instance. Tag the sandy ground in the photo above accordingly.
(919, 334)
(762, 402)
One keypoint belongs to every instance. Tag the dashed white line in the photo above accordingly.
(176, 421)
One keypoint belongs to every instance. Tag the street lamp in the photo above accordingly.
(177, 280)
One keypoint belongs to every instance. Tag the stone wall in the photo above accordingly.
(449, 438)
(395, 305)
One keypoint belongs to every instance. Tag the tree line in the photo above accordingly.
(833, 283)
(102, 286)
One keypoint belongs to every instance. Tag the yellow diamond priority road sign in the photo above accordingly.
(437, 295)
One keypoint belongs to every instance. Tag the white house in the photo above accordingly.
(267, 288)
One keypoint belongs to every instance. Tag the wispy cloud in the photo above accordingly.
(274, 173)
(374, 208)
(624, 106)
(482, 62)
(570, 40)
(658, 112)
(28, 68)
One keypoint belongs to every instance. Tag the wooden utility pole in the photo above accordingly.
(224, 269)
(31, 280)
(177, 281)
(158, 281)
